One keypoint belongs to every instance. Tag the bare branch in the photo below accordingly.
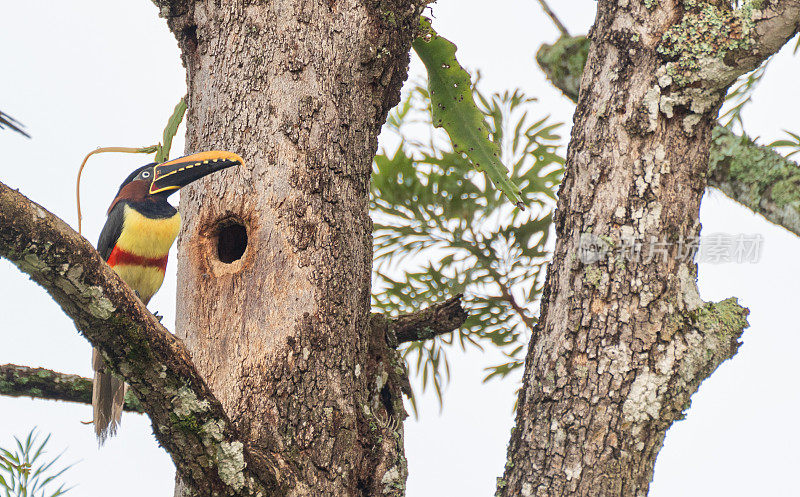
(553, 17)
(435, 320)
(529, 321)
(188, 420)
(40, 383)
(13, 124)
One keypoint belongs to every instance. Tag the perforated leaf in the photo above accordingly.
(454, 109)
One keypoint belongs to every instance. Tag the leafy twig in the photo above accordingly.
(428, 202)
(27, 473)
(793, 144)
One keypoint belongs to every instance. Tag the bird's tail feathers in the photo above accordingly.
(108, 397)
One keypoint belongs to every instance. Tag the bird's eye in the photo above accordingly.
(145, 174)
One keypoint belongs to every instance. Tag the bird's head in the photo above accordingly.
(159, 181)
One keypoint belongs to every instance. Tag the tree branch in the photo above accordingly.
(774, 25)
(435, 320)
(13, 124)
(563, 63)
(753, 175)
(188, 420)
(710, 44)
(529, 321)
(553, 17)
(40, 383)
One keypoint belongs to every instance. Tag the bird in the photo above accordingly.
(135, 241)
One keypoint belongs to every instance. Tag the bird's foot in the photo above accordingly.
(158, 316)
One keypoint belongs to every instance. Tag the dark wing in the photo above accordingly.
(111, 231)
(10, 122)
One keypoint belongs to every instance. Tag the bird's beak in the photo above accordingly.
(177, 173)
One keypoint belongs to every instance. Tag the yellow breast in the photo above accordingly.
(148, 237)
(143, 279)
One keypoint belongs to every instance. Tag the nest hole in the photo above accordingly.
(231, 240)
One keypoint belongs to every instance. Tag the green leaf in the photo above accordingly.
(782, 143)
(454, 109)
(162, 154)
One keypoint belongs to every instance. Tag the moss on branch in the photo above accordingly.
(563, 63)
(41, 383)
(756, 177)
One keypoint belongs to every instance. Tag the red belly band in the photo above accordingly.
(119, 256)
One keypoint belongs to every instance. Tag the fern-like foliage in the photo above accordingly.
(740, 95)
(26, 472)
(441, 229)
(792, 144)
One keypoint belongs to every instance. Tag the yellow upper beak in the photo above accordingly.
(177, 173)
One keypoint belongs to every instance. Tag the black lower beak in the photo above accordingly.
(175, 174)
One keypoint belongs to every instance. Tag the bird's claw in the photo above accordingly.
(158, 316)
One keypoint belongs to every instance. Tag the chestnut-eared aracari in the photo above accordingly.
(135, 241)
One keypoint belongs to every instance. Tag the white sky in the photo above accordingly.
(82, 74)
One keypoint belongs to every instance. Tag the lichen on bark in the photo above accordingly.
(707, 33)
(620, 347)
(756, 176)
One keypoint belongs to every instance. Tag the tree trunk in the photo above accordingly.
(275, 258)
(623, 341)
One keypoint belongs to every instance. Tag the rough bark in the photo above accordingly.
(623, 343)
(41, 383)
(756, 176)
(437, 319)
(282, 334)
(188, 420)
